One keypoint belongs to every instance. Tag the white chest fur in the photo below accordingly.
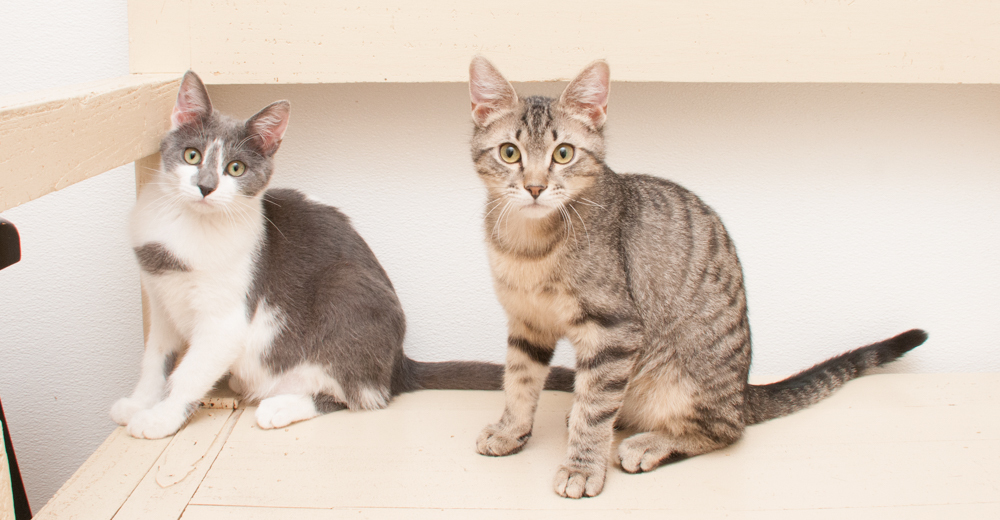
(216, 248)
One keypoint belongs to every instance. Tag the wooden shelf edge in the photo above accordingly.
(733, 41)
(55, 138)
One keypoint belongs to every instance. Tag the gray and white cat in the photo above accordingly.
(638, 273)
(268, 286)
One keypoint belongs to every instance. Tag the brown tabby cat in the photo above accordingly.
(638, 273)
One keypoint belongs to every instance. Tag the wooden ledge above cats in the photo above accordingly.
(893, 41)
(884, 446)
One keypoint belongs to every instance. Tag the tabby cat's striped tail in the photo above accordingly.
(766, 402)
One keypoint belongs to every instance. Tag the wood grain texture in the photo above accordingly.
(165, 491)
(321, 41)
(55, 138)
(884, 446)
(102, 484)
(882, 443)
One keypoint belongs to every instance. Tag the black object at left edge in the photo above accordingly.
(10, 253)
(10, 244)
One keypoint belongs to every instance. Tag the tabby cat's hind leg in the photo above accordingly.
(648, 450)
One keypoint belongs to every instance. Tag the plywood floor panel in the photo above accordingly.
(885, 446)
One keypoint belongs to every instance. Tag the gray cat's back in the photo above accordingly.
(338, 304)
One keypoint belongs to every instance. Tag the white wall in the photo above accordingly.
(70, 326)
(53, 43)
(859, 211)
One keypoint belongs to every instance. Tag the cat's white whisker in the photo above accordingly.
(584, 225)
(592, 203)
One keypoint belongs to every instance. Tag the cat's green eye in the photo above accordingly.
(509, 153)
(235, 168)
(563, 153)
(192, 156)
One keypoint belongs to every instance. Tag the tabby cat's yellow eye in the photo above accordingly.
(509, 153)
(563, 153)
(192, 156)
(235, 168)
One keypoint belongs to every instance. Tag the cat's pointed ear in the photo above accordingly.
(267, 127)
(491, 93)
(192, 103)
(586, 97)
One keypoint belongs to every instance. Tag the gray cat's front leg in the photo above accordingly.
(162, 345)
(215, 345)
(528, 357)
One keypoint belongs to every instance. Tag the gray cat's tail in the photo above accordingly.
(766, 402)
(474, 375)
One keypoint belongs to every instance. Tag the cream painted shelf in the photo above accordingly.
(333, 41)
(55, 138)
(885, 446)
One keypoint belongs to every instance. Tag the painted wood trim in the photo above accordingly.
(332, 41)
(164, 492)
(144, 170)
(902, 445)
(55, 138)
(102, 484)
(938, 511)
(6, 489)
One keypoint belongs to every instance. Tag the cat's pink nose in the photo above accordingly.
(535, 190)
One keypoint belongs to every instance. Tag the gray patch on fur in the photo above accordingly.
(169, 363)
(155, 258)
(340, 309)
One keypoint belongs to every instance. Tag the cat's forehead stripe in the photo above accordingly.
(537, 114)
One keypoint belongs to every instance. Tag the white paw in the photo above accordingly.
(157, 422)
(281, 410)
(124, 408)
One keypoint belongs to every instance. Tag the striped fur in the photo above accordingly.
(639, 274)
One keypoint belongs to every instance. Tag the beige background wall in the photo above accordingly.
(859, 210)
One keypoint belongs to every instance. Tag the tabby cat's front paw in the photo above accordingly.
(126, 407)
(157, 422)
(575, 480)
(644, 452)
(496, 441)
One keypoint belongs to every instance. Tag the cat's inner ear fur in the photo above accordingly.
(586, 97)
(192, 104)
(267, 127)
(491, 93)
